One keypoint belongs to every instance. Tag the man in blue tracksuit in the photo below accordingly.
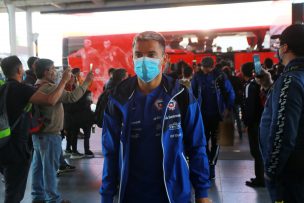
(216, 95)
(150, 125)
(282, 123)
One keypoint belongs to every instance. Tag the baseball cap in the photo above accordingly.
(293, 36)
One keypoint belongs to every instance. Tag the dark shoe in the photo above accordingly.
(65, 201)
(76, 155)
(212, 172)
(64, 169)
(67, 152)
(89, 154)
(255, 183)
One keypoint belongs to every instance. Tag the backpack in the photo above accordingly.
(36, 119)
(5, 128)
(100, 107)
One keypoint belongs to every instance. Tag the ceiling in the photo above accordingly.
(82, 6)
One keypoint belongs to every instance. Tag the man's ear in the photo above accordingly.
(285, 48)
(45, 73)
(164, 62)
(20, 70)
(165, 59)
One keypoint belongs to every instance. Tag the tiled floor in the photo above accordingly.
(233, 169)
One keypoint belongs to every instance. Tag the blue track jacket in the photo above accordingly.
(282, 124)
(188, 141)
(224, 91)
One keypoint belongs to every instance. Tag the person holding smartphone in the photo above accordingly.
(282, 123)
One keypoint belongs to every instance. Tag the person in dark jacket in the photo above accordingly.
(118, 75)
(150, 124)
(79, 115)
(237, 85)
(15, 156)
(30, 76)
(282, 123)
(216, 96)
(252, 110)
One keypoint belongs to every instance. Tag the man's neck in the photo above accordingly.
(146, 88)
(17, 78)
(289, 57)
(44, 80)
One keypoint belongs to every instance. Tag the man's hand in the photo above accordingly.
(66, 75)
(264, 79)
(203, 200)
(89, 77)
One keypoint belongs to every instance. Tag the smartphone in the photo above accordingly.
(257, 64)
(91, 67)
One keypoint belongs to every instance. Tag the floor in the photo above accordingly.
(233, 169)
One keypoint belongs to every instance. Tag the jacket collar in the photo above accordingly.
(40, 82)
(294, 64)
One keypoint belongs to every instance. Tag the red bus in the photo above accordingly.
(115, 51)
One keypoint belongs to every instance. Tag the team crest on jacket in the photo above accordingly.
(172, 105)
(159, 104)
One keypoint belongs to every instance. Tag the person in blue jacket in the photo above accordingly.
(216, 96)
(282, 123)
(151, 124)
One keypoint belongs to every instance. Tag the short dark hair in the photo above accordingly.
(179, 68)
(10, 66)
(111, 71)
(119, 74)
(247, 69)
(268, 62)
(207, 62)
(43, 65)
(75, 71)
(31, 61)
(187, 71)
(293, 37)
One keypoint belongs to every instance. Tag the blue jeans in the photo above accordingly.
(47, 149)
(62, 161)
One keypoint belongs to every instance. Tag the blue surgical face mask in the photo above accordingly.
(147, 69)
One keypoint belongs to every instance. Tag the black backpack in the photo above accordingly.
(100, 107)
(5, 128)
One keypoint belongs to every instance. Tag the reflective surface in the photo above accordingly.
(233, 169)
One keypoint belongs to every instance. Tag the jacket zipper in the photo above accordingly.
(185, 160)
(162, 138)
(121, 172)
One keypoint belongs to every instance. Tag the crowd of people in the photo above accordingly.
(163, 125)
